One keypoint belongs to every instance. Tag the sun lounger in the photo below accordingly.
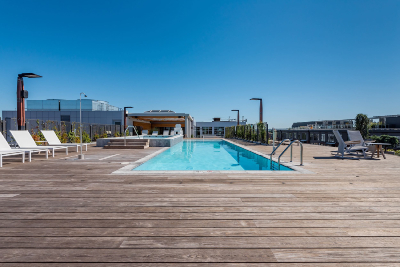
(25, 141)
(166, 132)
(344, 148)
(53, 140)
(356, 136)
(11, 153)
(155, 133)
(178, 130)
(145, 132)
(5, 150)
(5, 147)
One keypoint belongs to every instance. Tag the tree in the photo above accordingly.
(362, 124)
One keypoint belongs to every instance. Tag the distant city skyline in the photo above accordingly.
(308, 60)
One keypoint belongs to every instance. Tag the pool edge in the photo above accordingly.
(128, 169)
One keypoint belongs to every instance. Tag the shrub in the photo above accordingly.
(362, 124)
(72, 137)
(397, 152)
(392, 140)
(95, 137)
(86, 137)
(64, 138)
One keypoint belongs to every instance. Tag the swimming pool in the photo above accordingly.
(208, 155)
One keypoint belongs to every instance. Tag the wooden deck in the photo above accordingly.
(66, 212)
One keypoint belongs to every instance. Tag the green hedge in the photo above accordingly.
(392, 140)
(250, 132)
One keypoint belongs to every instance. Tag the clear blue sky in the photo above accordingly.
(308, 60)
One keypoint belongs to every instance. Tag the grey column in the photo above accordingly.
(186, 126)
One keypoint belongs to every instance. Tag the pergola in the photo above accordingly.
(161, 119)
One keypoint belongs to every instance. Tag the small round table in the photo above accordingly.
(378, 149)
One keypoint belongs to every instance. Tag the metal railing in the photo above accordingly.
(127, 128)
(291, 152)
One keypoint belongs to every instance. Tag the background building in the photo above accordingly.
(321, 132)
(215, 127)
(93, 111)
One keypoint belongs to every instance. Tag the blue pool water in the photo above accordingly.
(207, 155)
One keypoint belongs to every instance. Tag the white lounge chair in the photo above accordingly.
(53, 140)
(25, 141)
(178, 129)
(155, 133)
(4, 151)
(166, 132)
(5, 147)
(342, 148)
(145, 132)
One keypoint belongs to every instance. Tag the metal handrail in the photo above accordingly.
(127, 128)
(291, 152)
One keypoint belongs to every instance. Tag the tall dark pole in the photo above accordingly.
(125, 117)
(20, 104)
(261, 108)
(21, 95)
(237, 115)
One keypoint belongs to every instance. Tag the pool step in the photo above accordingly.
(130, 144)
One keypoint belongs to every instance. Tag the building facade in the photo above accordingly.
(321, 132)
(93, 111)
(215, 127)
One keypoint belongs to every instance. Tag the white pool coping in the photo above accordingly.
(128, 169)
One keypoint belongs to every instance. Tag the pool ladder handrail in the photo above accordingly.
(291, 152)
(127, 128)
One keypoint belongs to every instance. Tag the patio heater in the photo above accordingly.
(21, 95)
(125, 115)
(81, 156)
(237, 115)
(261, 108)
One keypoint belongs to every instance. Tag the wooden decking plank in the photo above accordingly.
(128, 223)
(190, 209)
(203, 216)
(261, 242)
(197, 232)
(338, 255)
(137, 255)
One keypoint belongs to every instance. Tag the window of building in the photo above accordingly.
(219, 131)
(197, 131)
(303, 136)
(311, 136)
(322, 137)
(206, 130)
(331, 138)
(66, 118)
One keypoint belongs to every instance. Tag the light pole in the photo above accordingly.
(237, 115)
(125, 117)
(261, 108)
(80, 123)
(21, 95)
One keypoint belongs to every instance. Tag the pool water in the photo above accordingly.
(208, 155)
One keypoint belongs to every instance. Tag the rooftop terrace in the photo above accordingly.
(77, 213)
